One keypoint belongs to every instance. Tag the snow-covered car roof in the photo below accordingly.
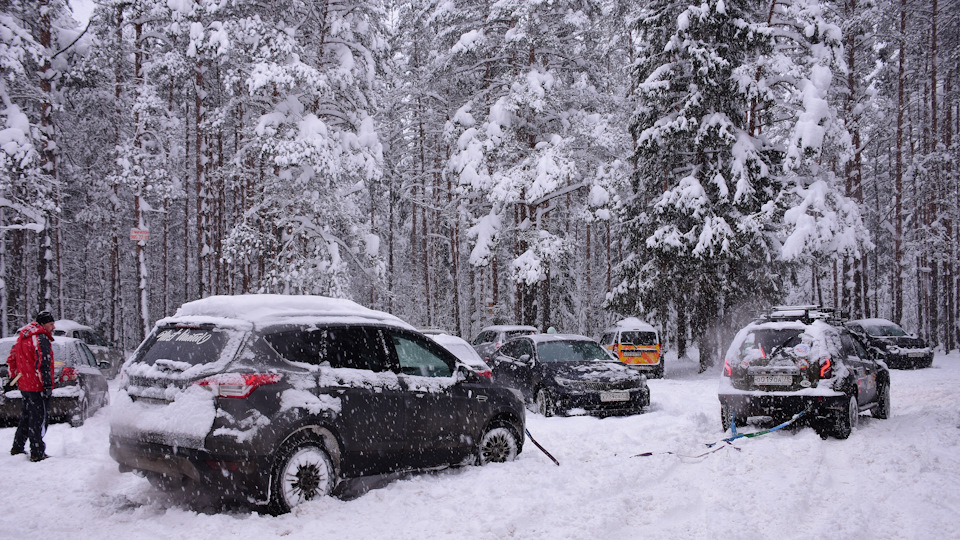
(259, 310)
(874, 322)
(543, 338)
(509, 327)
(67, 325)
(632, 323)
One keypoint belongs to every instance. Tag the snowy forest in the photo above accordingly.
(461, 163)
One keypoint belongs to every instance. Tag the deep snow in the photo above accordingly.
(896, 478)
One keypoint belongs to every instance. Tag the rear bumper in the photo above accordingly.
(746, 405)
(239, 477)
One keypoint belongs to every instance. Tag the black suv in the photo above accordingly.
(275, 399)
(893, 344)
(798, 358)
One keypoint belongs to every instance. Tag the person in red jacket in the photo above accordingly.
(31, 364)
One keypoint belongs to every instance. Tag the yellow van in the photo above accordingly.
(637, 344)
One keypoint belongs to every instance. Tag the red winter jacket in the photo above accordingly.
(32, 358)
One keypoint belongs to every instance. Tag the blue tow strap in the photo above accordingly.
(735, 435)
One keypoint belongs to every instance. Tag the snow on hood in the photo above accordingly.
(599, 371)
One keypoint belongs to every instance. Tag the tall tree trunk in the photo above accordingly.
(898, 184)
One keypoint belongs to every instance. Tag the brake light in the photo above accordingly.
(237, 385)
(726, 368)
(68, 374)
(826, 369)
(486, 373)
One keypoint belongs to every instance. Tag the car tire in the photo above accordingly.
(544, 403)
(882, 409)
(302, 472)
(658, 373)
(847, 419)
(81, 413)
(498, 444)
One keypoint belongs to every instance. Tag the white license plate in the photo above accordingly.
(917, 354)
(773, 380)
(614, 396)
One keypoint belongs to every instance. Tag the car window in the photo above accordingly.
(88, 357)
(514, 333)
(571, 351)
(607, 339)
(884, 330)
(191, 345)
(95, 338)
(524, 348)
(852, 347)
(511, 349)
(637, 337)
(337, 347)
(419, 358)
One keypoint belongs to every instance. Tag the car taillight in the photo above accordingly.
(826, 369)
(237, 385)
(68, 374)
(726, 369)
(486, 373)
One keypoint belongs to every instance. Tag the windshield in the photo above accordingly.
(636, 337)
(571, 351)
(884, 330)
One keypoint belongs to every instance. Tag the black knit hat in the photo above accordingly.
(44, 317)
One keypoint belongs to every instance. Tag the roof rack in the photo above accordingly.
(806, 314)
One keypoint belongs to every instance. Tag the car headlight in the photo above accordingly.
(566, 383)
(894, 349)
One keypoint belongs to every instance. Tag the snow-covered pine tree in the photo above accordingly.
(702, 222)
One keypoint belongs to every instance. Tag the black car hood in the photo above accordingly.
(590, 371)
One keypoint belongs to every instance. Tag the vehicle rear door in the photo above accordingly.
(441, 411)
(863, 368)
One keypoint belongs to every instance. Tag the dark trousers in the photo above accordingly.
(33, 422)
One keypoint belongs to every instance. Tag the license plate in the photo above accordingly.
(917, 354)
(614, 396)
(773, 380)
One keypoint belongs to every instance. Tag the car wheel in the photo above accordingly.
(499, 444)
(80, 414)
(303, 472)
(847, 419)
(882, 409)
(658, 373)
(544, 403)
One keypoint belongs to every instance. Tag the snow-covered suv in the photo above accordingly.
(800, 358)
(274, 399)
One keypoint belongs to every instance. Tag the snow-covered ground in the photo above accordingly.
(896, 478)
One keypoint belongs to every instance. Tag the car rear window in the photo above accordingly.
(769, 341)
(638, 338)
(190, 345)
(514, 333)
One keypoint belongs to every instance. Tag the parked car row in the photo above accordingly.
(277, 400)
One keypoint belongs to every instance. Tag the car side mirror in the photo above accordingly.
(104, 364)
(467, 375)
(525, 358)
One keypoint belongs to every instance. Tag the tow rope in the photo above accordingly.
(729, 440)
(735, 435)
(542, 449)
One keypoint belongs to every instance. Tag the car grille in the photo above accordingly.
(597, 386)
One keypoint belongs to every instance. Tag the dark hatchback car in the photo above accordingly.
(275, 399)
(80, 389)
(567, 374)
(893, 344)
(802, 358)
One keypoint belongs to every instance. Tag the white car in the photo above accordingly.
(464, 352)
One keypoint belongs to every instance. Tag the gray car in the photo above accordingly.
(80, 389)
(493, 337)
(109, 357)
